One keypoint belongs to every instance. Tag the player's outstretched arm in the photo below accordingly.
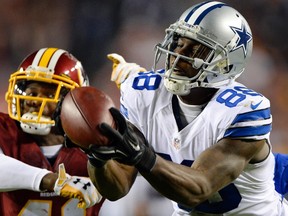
(16, 175)
(113, 180)
(214, 169)
(122, 69)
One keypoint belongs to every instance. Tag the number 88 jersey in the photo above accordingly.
(234, 112)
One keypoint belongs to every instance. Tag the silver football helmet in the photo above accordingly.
(221, 29)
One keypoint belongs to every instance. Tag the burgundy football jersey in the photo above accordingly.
(19, 145)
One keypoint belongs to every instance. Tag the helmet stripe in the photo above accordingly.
(55, 58)
(197, 14)
(46, 57)
(38, 57)
(193, 11)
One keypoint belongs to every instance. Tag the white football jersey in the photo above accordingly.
(235, 111)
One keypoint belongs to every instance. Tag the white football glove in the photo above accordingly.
(121, 69)
(76, 187)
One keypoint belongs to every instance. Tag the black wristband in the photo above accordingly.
(95, 162)
(147, 161)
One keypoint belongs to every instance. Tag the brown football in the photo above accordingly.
(83, 109)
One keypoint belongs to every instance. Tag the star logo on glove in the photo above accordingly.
(244, 37)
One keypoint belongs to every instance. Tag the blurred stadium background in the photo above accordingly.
(90, 29)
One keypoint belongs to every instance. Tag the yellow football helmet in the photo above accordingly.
(48, 65)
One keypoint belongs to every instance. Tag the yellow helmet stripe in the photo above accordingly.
(46, 57)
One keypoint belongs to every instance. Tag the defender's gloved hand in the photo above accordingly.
(76, 187)
(128, 145)
(121, 69)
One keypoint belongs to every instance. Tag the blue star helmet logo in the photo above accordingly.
(244, 38)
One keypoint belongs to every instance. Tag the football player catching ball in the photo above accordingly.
(198, 136)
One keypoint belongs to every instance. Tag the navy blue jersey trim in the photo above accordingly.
(252, 116)
(248, 131)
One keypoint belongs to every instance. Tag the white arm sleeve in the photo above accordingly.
(16, 175)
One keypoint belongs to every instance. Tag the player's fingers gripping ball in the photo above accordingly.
(82, 110)
(121, 69)
(77, 187)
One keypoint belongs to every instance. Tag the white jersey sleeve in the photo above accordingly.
(239, 113)
(16, 175)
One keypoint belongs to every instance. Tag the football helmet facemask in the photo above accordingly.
(47, 65)
(218, 27)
